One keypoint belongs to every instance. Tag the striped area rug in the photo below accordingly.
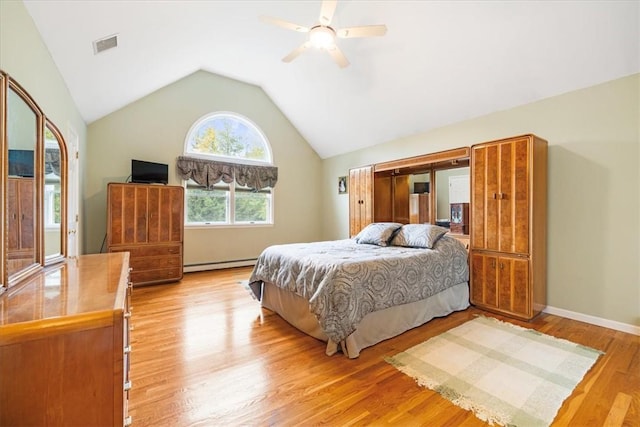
(504, 373)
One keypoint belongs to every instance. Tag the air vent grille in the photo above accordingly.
(105, 43)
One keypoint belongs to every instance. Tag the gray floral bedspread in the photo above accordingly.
(344, 280)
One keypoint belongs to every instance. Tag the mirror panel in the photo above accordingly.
(451, 183)
(22, 142)
(54, 205)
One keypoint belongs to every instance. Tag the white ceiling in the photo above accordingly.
(439, 63)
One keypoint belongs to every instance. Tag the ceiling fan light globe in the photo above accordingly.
(322, 37)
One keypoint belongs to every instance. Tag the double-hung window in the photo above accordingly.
(225, 157)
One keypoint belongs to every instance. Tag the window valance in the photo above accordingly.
(209, 172)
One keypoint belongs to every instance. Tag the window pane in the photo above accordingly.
(207, 205)
(252, 207)
(228, 136)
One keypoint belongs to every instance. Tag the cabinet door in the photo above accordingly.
(27, 218)
(165, 212)
(13, 215)
(382, 197)
(500, 196)
(401, 199)
(484, 280)
(127, 222)
(514, 286)
(360, 199)
(501, 283)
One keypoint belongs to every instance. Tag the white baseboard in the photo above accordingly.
(598, 321)
(218, 265)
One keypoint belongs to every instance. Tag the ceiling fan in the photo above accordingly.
(323, 36)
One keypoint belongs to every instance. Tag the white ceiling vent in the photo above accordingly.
(105, 43)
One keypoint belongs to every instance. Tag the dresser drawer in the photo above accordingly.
(155, 262)
(161, 275)
(149, 250)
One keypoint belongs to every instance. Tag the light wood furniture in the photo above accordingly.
(65, 345)
(381, 192)
(20, 219)
(508, 231)
(147, 221)
(360, 199)
(419, 208)
(267, 367)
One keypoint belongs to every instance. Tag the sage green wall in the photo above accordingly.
(593, 190)
(25, 57)
(154, 129)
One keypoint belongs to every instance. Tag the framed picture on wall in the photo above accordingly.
(342, 185)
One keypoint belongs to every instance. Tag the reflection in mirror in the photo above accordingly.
(54, 196)
(22, 136)
(452, 187)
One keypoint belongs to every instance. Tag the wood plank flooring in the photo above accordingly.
(205, 354)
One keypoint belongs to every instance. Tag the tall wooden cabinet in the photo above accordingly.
(360, 199)
(65, 345)
(147, 221)
(508, 225)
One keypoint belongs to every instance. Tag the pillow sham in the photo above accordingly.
(418, 235)
(377, 233)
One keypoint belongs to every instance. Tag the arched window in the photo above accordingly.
(227, 167)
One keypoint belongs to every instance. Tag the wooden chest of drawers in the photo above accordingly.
(65, 345)
(147, 221)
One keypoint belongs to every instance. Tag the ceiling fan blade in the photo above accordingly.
(326, 11)
(365, 31)
(338, 56)
(284, 24)
(297, 51)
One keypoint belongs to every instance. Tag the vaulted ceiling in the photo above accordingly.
(439, 63)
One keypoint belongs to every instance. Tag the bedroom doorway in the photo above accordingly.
(72, 193)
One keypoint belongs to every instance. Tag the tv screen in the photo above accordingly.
(21, 163)
(420, 187)
(149, 172)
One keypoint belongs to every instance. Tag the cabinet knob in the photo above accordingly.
(127, 386)
(128, 421)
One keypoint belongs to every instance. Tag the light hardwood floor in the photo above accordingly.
(205, 354)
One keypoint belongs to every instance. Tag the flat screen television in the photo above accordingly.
(149, 172)
(420, 187)
(21, 163)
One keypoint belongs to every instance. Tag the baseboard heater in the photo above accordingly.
(216, 265)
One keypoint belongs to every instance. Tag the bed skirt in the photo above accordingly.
(374, 327)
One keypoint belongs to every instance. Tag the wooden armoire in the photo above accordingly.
(147, 220)
(508, 225)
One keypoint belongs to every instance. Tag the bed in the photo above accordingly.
(354, 293)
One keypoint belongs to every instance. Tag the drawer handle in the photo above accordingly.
(127, 386)
(127, 349)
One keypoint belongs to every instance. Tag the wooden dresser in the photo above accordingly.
(147, 221)
(65, 345)
(509, 226)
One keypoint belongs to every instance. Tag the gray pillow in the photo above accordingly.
(418, 235)
(377, 233)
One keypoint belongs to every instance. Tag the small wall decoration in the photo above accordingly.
(342, 185)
